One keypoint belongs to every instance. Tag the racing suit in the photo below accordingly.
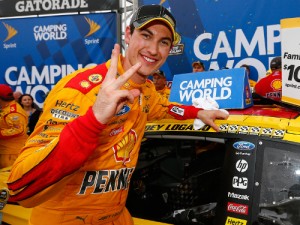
(270, 86)
(13, 129)
(75, 170)
(165, 92)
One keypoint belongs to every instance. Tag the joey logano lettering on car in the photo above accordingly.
(104, 181)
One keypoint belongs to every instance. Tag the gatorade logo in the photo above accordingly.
(235, 221)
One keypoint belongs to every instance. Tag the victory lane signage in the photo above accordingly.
(9, 8)
(229, 88)
(290, 31)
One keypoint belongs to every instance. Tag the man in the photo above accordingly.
(275, 64)
(198, 67)
(17, 95)
(160, 83)
(270, 86)
(76, 168)
(13, 127)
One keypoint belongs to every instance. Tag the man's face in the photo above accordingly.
(150, 46)
(159, 82)
(197, 68)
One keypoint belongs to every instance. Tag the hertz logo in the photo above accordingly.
(93, 26)
(10, 31)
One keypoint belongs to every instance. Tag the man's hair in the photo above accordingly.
(198, 63)
(159, 73)
(275, 63)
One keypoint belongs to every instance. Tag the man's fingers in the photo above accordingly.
(112, 70)
(222, 114)
(110, 79)
(121, 80)
(133, 94)
(214, 126)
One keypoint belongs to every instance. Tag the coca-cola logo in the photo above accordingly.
(237, 208)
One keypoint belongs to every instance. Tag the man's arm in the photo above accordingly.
(182, 112)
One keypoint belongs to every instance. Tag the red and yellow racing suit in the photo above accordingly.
(74, 170)
(13, 132)
(165, 92)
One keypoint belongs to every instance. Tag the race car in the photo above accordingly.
(249, 173)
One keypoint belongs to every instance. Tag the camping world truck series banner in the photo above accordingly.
(226, 33)
(37, 52)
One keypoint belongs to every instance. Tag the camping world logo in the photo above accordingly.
(94, 27)
(10, 31)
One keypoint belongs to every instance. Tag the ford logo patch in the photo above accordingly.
(243, 145)
(123, 111)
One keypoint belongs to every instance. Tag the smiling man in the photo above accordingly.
(77, 165)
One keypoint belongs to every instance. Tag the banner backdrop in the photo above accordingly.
(37, 52)
(227, 33)
(37, 7)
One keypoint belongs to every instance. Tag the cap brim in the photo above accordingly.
(143, 22)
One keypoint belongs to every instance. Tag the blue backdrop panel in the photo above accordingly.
(227, 33)
(37, 52)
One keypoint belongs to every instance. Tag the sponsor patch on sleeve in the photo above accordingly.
(177, 110)
(87, 80)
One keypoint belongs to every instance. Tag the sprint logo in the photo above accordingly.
(94, 27)
(11, 32)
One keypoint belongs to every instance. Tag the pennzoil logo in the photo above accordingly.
(10, 31)
(94, 27)
(95, 78)
(123, 149)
